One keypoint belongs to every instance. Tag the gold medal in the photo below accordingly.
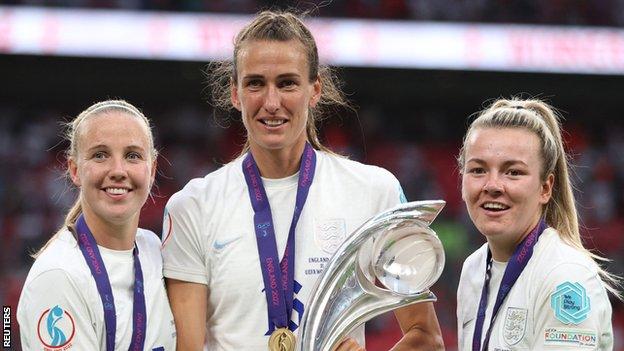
(282, 339)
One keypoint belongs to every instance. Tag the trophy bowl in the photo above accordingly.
(391, 261)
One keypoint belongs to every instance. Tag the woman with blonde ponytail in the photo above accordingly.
(97, 284)
(533, 285)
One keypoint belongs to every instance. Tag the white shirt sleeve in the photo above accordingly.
(53, 311)
(389, 189)
(460, 310)
(184, 245)
(572, 303)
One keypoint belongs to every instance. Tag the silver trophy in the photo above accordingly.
(390, 261)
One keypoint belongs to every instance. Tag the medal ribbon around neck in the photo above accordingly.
(515, 266)
(278, 283)
(91, 253)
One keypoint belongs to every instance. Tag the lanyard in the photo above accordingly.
(278, 282)
(91, 253)
(517, 262)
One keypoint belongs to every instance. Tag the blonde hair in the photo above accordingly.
(280, 26)
(560, 212)
(72, 134)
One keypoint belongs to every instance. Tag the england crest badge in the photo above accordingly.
(514, 325)
(329, 234)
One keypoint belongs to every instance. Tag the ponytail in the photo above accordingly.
(68, 224)
(560, 212)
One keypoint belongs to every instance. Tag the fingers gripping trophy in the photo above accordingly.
(390, 261)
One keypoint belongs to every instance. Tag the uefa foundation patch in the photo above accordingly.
(570, 303)
(570, 337)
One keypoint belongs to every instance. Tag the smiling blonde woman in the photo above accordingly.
(532, 286)
(97, 284)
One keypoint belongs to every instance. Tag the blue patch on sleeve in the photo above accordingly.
(570, 303)
(402, 197)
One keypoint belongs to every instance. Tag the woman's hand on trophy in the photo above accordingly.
(349, 344)
(420, 327)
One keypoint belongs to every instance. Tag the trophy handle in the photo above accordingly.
(373, 272)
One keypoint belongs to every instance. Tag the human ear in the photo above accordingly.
(316, 92)
(153, 173)
(546, 191)
(234, 95)
(463, 192)
(72, 167)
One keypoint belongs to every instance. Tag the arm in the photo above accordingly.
(418, 322)
(189, 305)
(420, 327)
(572, 301)
(185, 268)
(53, 311)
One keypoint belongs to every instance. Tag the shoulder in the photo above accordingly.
(148, 242)
(199, 191)
(475, 263)
(62, 254)
(52, 280)
(561, 268)
(567, 290)
(554, 256)
(56, 292)
(350, 169)
(149, 250)
(60, 269)
(148, 239)
(476, 259)
(374, 187)
(470, 283)
(472, 274)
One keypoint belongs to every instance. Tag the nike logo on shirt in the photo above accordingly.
(220, 245)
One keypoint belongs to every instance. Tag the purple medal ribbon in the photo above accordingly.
(91, 253)
(515, 266)
(278, 283)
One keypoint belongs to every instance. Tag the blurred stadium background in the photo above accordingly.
(415, 69)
